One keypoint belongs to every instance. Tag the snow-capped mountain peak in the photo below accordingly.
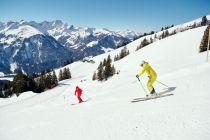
(22, 31)
(17, 38)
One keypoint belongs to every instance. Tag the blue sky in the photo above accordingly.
(137, 15)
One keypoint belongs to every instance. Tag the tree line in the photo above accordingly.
(165, 33)
(37, 82)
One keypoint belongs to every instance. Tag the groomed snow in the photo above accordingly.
(109, 115)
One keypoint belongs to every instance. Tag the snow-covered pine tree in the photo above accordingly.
(107, 70)
(104, 62)
(100, 72)
(23, 82)
(204, 21)
(54, 79)
(68, 73)
(18, 83)
(41, 83)
(48, 80)
(113, 70)
(94, 76)
(60, 75)
(144, 43)
(166, 33)
(204, 41)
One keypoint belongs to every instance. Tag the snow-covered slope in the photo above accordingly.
(109, 115)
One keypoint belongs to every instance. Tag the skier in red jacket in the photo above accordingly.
(79, 93)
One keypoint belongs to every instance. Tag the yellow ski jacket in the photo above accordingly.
(149, 70)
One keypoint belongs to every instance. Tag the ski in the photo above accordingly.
(80, 103)
(150, 98)
(160, 93)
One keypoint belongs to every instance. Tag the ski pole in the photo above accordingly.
(142, 86)
(162, 84)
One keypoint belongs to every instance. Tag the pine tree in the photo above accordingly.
(31, 84)
(204, 21)
(152, 32)
(7, 90)
(116, 58)
(61, 75)
(104, 62)
(48, 80)
(166, 33)
(204, 41)
(128, 52)
(65, 73)
(68, 73)
(22, 83)
(194, 25)
(151, 40)
(155, 36)
(109, 60)
(107, 70)
(163, 35)
(144, 43)
(19, 83)
(94, 76)
(122, 53)
(41, 84)
(173, 32)
(104, 72)
(113, 70)
(54, 79)
(18, 87)
(100, 72)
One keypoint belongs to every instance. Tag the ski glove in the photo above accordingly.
(137, 76)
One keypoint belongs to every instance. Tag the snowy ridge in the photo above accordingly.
(78, 42)
(109, 115)
(23, 31)
(177, 29)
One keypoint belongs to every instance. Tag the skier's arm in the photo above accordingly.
(75, 92)
(142, 71)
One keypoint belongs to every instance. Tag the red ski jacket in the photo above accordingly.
(78, 91)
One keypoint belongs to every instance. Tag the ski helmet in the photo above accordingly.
(142, 63)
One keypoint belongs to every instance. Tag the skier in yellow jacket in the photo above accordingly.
(151, 74)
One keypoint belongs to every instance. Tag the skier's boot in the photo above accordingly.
(153, 93)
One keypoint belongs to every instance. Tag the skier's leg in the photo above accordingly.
(80, 99)
(150, 85)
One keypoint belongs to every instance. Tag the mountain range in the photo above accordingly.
(34, 47)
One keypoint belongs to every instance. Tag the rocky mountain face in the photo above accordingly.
(34, 47)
